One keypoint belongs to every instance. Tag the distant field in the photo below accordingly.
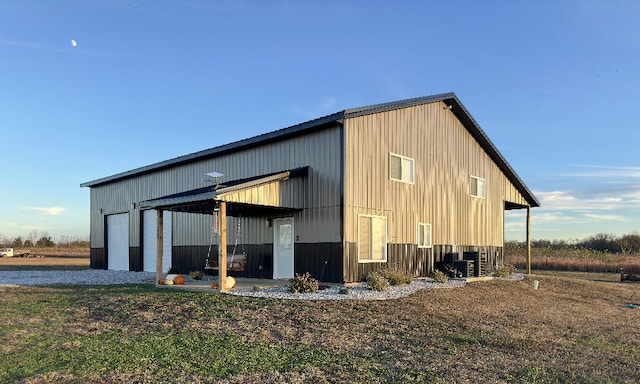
(54, 251)
(573, 260)
(47, 259)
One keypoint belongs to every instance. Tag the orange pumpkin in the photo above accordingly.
(179, 280)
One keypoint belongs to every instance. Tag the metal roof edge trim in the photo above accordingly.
(375, 108)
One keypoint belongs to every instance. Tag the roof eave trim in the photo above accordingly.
(406, 103)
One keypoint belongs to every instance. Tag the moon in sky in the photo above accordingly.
(73, 43)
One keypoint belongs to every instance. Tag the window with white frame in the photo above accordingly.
(401, 168)
(477, 187)
(372, 239)
(424, 235)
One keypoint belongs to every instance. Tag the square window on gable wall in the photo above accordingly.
(477, 187)
(401, 168)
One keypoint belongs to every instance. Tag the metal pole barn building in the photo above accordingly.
(414, 184)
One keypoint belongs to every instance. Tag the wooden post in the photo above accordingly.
(222, 252)
(528, 240)
(159, 246)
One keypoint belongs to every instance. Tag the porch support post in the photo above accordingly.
(222, 252)
(159, 246)
(528, 240)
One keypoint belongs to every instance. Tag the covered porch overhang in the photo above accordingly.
(250, 197)
(508, 206)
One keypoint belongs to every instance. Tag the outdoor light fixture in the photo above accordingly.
(216, 176)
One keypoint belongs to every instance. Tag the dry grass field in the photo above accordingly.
(576, 260)
(47, 259)
(571, 330)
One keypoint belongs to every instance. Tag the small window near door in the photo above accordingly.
(477, 187)
(424, 235)
(286, 237)
(372, 239)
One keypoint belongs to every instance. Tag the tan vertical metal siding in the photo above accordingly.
(319, 193)
(445, 156)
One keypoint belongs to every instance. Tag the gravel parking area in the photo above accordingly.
(82, 277)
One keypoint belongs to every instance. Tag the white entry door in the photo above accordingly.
(283, 248)
(150, 240)
(118, 242)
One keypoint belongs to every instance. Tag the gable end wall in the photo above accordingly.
(445, 156)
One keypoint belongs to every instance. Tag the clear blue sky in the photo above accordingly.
(555, 84)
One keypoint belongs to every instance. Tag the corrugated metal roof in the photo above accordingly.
(337, 118)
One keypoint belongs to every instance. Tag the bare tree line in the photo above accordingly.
(602, 242)
(42, 239)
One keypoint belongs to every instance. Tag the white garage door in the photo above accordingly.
(150, 240)
(118, 242)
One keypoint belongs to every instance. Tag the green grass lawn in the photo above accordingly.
(569, 330)
(138, 330)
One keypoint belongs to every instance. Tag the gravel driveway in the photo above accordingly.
(83, 277)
